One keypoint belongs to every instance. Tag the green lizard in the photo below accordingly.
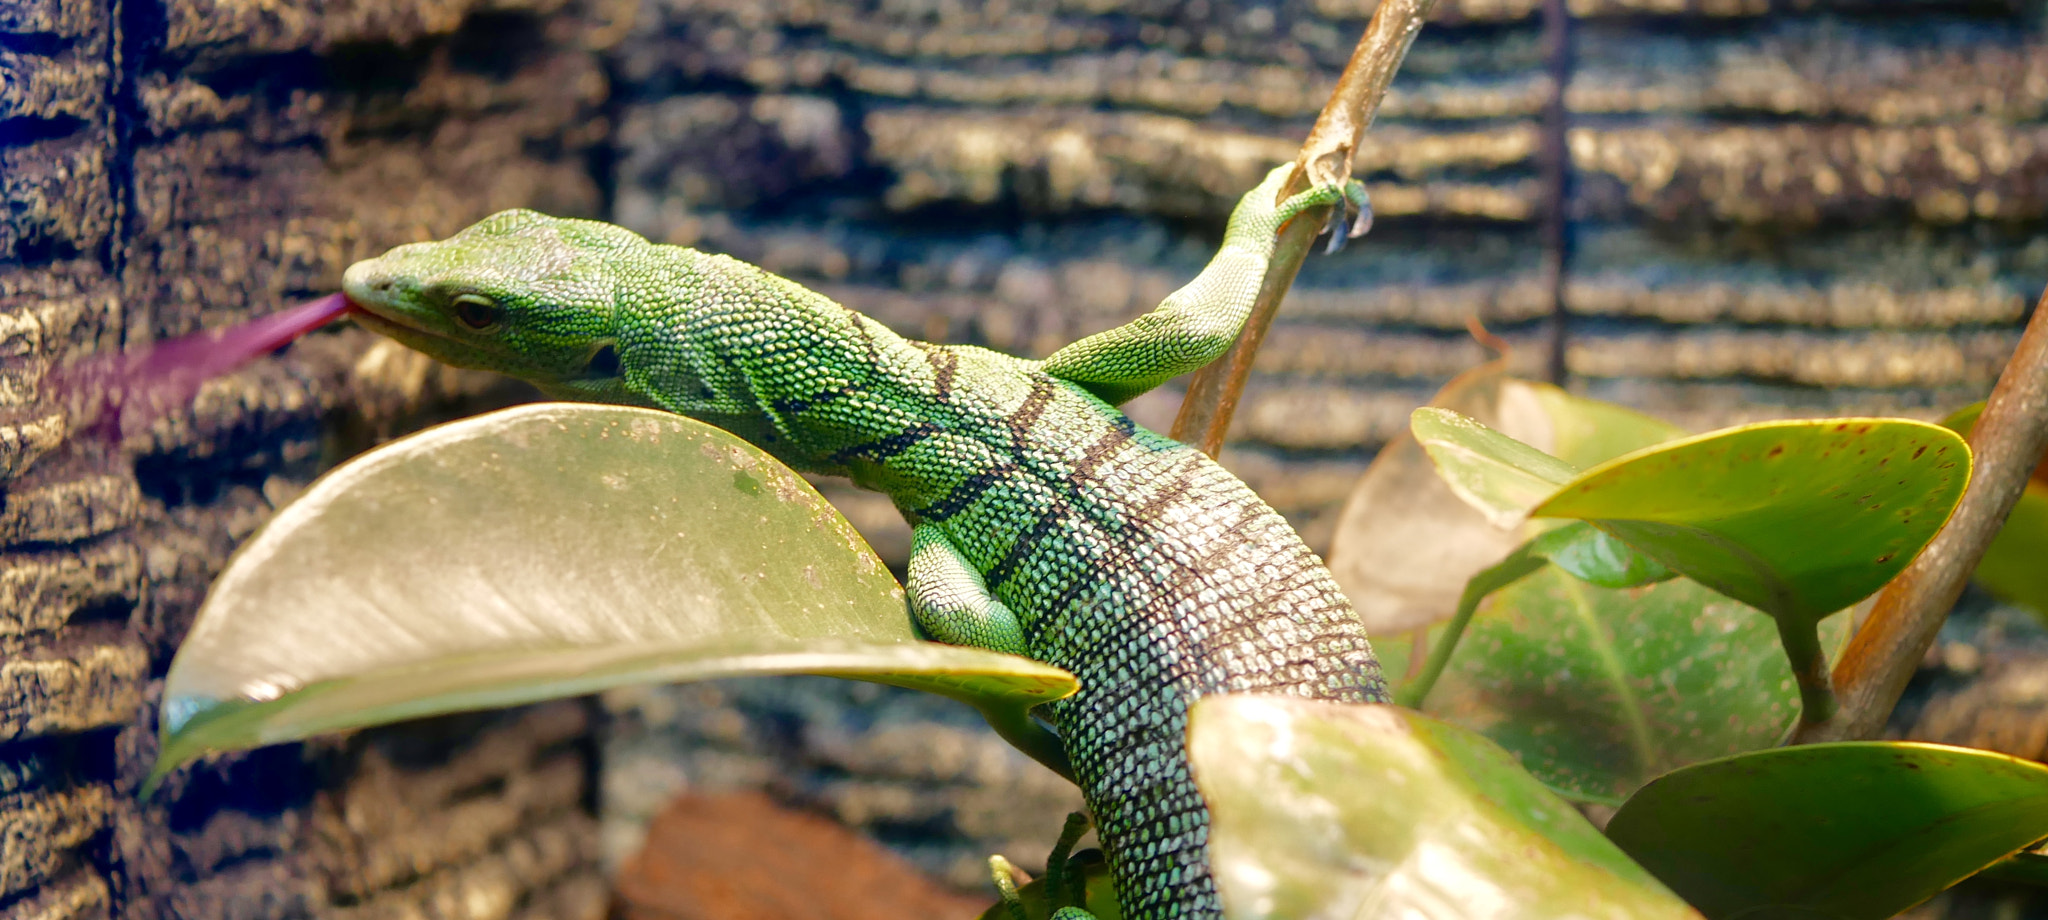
(1045, 522)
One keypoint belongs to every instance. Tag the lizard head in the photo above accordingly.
(518, 292)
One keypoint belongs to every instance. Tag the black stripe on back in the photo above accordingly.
(965, 492)
(795, 404)
(1042, 392)
(1026, 542)
(885, 448)
(1105, 447)
(945, 366)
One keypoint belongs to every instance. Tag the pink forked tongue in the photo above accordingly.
(131, 390)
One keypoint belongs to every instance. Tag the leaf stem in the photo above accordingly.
(1519, 563)
(1324, 160)
(2008, 441)
(1801, 639)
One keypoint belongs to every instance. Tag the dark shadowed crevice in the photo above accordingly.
(1555, 162)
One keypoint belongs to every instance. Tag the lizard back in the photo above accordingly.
(1156, 577)
(1132, 560)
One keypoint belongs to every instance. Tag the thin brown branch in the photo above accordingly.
(1326, 158)
(2007, 442)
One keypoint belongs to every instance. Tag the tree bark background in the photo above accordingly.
(1778, 207)
(167, 166)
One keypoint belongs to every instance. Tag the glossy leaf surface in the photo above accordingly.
(1598, 558)
(1499, 475)
(1853, 831)
(1405, 544)
(547, 551)
(1599, 690)
(1333, 810)
(1798, 519)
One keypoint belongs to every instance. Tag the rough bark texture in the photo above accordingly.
(171, 165)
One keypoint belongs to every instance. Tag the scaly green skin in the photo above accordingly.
(1046, 523)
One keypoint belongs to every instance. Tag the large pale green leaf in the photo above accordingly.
(1796, 518)
(1405, 544)
(1332, 810)
(547, 551)
(1599, 690)
(1852, 831)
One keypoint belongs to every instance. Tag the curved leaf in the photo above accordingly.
(546, 551)
(1850, 831)
(1796, 518)
(1599, 690)
(1405, 543)
(1332, 810)
(1585, 432)
(1495, 473)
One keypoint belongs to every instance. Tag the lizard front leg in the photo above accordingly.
(1196, 324)
(951, 602)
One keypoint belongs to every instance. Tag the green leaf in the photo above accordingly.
(1585, 432)
(2026, 868)
(2011, 568)
(1332, 810)
(1597, 557)
(1405, 543)
(1852, 831)
(547, 551)
(1599, 690)
(1497, 474)
(1796, 518)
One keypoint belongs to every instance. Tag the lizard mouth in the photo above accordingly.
(396, 325)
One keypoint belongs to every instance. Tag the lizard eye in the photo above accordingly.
(477, 311)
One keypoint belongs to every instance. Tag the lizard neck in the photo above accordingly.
(821, 387)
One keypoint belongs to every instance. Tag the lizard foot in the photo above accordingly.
(1345, 202)
(1065, 888)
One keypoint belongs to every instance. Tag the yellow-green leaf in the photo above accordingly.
(1348, 810)
(547, 551)
(1796, 518)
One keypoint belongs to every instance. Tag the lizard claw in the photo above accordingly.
(1354, 198)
